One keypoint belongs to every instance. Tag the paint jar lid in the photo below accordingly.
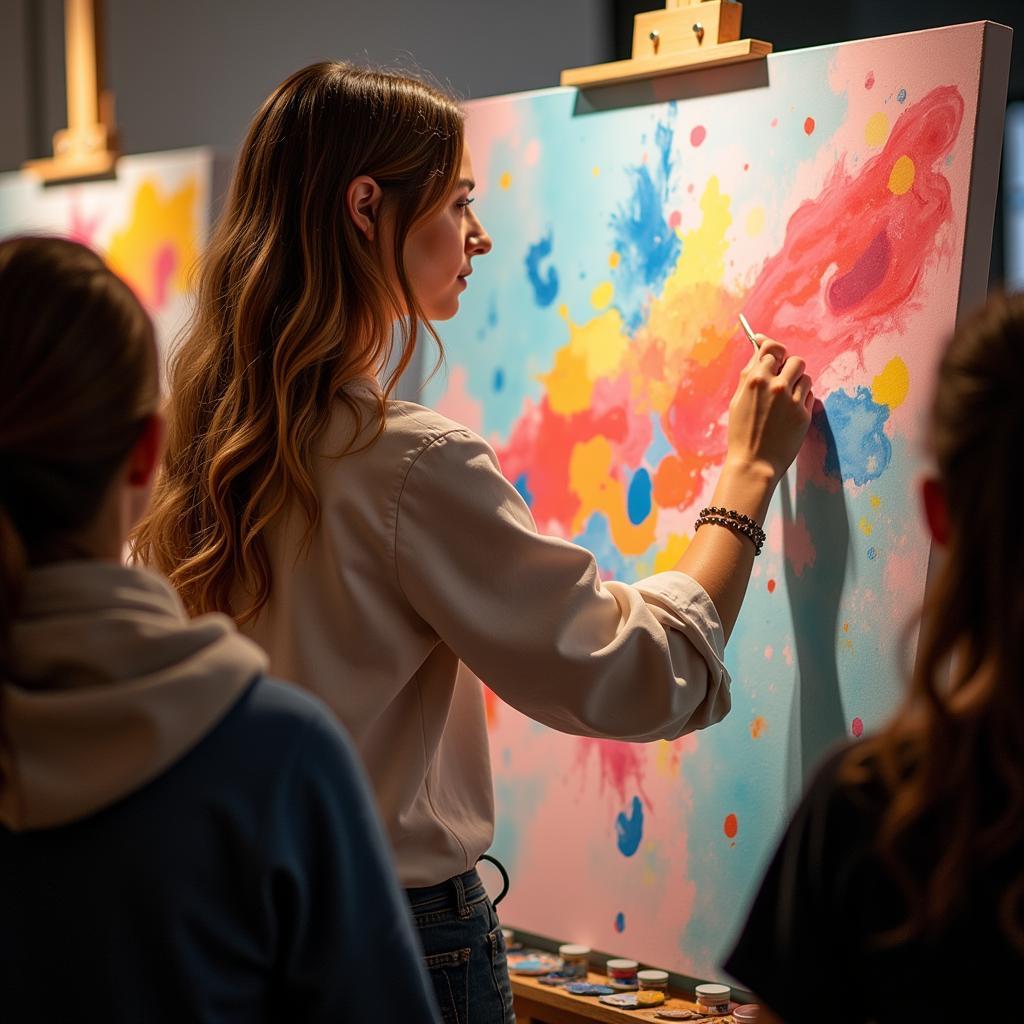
(622, 965)
(713, 993)
(573, 950)
(653, 976)
(748, 1013)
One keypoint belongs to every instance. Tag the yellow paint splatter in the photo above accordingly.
(890, 387)
(755, 221)
(848, 644)
(156, 251)
(865, 527)
(614, 259)
(846, 627)
(875, 501)
(666, 758)
(597, 171)
(602, 295)
(591, 480)
(563, 311)
(901, 178)
(876, 131)
(568, 386)
(757, 727)
(505, 181)
(668, 557)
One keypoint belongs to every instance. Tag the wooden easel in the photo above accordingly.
(686, 35)
(87, 148)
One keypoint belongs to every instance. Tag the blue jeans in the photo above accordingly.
(464, 950)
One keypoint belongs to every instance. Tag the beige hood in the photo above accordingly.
(114, 684)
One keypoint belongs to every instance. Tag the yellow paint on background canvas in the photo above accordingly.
(890, 387)
(755, 221)
(505, 181)
(568, 386)
(158, 229)
(591, 480)
(876, 131)
(668, 557)
(601, 343)
(901, 178)
(865, 526)
(602, 295)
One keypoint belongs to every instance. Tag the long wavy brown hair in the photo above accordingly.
(951, 760)
(293, 303)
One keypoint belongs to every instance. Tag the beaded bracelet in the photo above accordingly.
(735, 521)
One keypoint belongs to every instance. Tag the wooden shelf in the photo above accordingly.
(546, 1004)
(640, 68)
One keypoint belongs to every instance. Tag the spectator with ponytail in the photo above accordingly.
(181, 837)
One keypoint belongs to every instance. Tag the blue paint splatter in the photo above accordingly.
(638, 500)
(630, 831)
(660, 445)
(901, 96)
(872, 554)
(492, 311)
(597, 538)
(544, 284)
(862, 451)
(648, 248)
(620, 922)
(499, 379)
(524, 491)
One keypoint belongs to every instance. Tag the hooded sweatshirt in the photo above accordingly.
(181, 838)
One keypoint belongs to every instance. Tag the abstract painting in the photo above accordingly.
(826, 194)
(149, 223)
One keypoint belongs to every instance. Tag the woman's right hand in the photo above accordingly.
(771, 410)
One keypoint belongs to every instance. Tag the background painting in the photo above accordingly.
(150, 223)
(825, 194)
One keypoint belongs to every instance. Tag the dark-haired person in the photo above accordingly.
(181, 838)
(897, 892)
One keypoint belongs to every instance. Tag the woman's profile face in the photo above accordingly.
(439, 250)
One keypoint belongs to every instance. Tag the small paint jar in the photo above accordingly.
(622, 972)
(575, 960)
(748, 1013)
(713, 999)
(652, 981)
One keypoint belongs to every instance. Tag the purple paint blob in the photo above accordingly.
(853, 287)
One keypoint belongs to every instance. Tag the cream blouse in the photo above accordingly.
(427, 562)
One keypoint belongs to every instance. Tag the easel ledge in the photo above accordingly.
(545, 1004)
(686, 35)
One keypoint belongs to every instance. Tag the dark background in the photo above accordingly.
(191, 72)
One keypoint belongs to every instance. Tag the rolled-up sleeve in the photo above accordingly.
(531, 617)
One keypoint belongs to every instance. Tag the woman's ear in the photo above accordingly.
(936, 510)
(362, 198)
(146, 452)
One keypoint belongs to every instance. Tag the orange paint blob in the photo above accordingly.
(676, 482)
(809, 126)
(731, 826)
(757, 726)
(771, 586)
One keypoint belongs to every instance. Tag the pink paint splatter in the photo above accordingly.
(769, 652)
(689, 188)
(858, 224)
(458, 404)
(869, 82)
(698, 135)
(621, 765)
(163, 267)
(675, 218)
(746, 167)
(857, 727)
(775, 122)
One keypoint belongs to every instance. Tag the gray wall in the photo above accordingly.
(192, 72)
